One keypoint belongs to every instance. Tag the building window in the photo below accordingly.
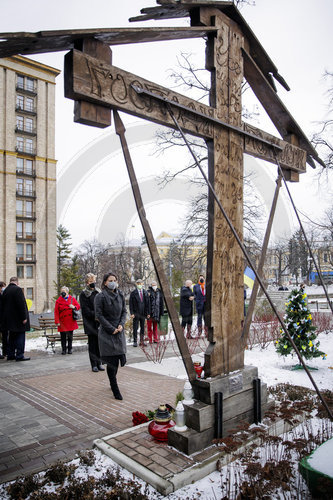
(28, 230)
(20, 102)
(30, 84)
(29, 104)
(325, 257)
(20, 271)
(19, 185)
(29, 123)
(29, 187)
(19, 165)
(19, 208)
(29, 271)
(20, 81)
(30, 293)
(19, 229)
(20, 143)
(20, 122)
(28, 167)
(28, 208)
(19, 251)
(29, 251)
(29, 146)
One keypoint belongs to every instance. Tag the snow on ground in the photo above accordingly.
(319, 458)
(272, 368)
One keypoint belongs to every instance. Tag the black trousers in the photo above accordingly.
(136, 322)
(16, 345)
(93, 349)
(112, 364)
(4, 336)
(187, 320)
(69, 337)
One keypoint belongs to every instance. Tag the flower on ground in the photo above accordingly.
(139, 418)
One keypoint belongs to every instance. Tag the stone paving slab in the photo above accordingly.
(165, 468)
(54, 406)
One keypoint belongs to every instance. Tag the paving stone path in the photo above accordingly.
(53, 406)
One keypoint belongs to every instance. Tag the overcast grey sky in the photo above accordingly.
(297, 34)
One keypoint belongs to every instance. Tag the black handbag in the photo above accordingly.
(75, 313)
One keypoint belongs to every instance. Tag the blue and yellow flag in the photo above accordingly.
(249, 277)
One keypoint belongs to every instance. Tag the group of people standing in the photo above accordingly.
(146, 305)
(104, 315)
(190, 294)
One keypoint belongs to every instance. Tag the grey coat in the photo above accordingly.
(110, 312)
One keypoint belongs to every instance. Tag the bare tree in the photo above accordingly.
(92, 258)
(323, 138)
(197, 81)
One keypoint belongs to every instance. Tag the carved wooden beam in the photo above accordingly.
(89, 79)
(54, 41)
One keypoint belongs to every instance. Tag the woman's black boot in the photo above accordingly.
(112, 371)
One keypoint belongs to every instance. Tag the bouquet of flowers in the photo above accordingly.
(139, 418)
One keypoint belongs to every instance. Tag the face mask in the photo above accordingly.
(112, 285)
(154, 288)
(63, 294)
(139, 287)
(202, 280)
(92, 285)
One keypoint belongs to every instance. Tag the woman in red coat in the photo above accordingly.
(63, 317)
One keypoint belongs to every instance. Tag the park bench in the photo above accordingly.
(47, 324)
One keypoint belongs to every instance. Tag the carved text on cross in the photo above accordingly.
(90, 79)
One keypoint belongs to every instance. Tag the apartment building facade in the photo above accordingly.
(28, 178)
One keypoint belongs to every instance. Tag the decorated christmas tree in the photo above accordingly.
(298, 321)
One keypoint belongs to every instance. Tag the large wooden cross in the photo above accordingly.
(233, 52)
(97, 86)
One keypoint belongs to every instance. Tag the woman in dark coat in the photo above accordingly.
(63, 317)
(90, 325)
(110, 312)
(186, 307)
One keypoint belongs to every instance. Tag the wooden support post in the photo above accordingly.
(225, 270)
(183, 348)
(85, 112)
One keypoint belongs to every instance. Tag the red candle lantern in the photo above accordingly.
(158, 428)
(198, 368)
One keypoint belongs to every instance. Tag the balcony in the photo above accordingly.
(31, 131)
(25, 215)
(27, 89)
(25, 150)
(26, 172)
(28, 259)
(26, 236)
(27, 193)
(29, 110)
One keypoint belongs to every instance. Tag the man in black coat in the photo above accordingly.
(139, 310)
(186, 307)
(4, 333)
(15, 319)
(90, 325)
